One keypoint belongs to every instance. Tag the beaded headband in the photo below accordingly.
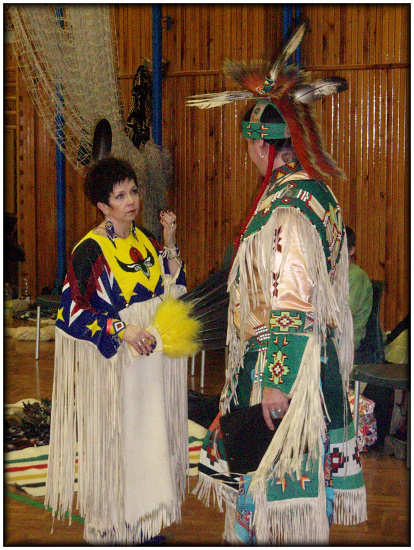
(256, 129)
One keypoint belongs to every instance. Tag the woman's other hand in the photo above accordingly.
(169, 223)
(140, 339)
(274, 405)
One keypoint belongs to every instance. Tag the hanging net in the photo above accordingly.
(68, 58)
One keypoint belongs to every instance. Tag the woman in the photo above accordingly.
(119, 407)
(290, 330)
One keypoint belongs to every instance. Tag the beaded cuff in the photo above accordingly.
(115, 327)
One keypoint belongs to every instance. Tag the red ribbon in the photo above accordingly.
(270, 161)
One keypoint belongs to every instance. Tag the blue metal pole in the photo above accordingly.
(287, 21)
(297, 19)
(60, 181)
(156, 75)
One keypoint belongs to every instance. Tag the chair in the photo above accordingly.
(49, 302)
(214, 345)
(210, 303)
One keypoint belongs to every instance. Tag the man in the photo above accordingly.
(289, 328)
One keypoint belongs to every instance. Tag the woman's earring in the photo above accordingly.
(110, 231)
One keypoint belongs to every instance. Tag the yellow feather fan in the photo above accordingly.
(177, 330)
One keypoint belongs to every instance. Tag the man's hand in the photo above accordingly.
(274, 405)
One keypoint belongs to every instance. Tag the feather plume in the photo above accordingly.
(243, 72)
(309, 93)
(178, 330)
(306, 140)
(287, 51)
(207, 101)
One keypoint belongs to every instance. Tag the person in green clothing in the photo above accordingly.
(360, 302)
(360, 291)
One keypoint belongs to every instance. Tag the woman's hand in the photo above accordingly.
(140, 339)
(274, 405)
(169, 223)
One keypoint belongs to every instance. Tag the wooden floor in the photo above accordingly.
(387, 479)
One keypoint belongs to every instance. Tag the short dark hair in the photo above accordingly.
(350, 237)
(270, 115)
(102, 177)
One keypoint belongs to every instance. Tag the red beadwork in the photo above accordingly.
(135, 255)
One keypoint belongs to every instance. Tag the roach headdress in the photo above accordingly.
(293, 93)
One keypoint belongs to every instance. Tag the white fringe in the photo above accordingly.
(257, 390)
(350, 506)
(138, 533)
(82, 421)
(229, 535)
(301, 428)
(86, 417)
(293, 522)
(235, 356)
(209, 488)
(344, 337)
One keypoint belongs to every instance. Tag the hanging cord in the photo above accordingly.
(271, 159)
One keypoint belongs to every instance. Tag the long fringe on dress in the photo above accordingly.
(87, 439)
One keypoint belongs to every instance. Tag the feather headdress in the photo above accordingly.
(292, 92)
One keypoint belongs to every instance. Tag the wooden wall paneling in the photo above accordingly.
(368, 44)
(236, 36)
(391, 169)
(397, 185)
(204, 34)
(403, 205)
(125, 88)
(26, 195)
(385, 36)
(348, 125)
(336, 49)
(46, 234)
(272, 39)
(134, 30)
(222, 226)
(199, 162)
(10, 190)
(188, 47)
(397, 235)
(361, 228)
(404, 35)
(211, 199)
(81, 216)
(10, 130)
(191, 233)
(177, 56)
(380, 150)
(181, 124)
(356, 34)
